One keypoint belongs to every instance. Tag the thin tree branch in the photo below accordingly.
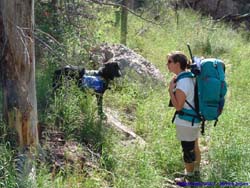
(188, 4)
(236, 17)
(129, 10)
(49, 36)
(70, 14)
(50, 49)
(44, 43)
(23, 38)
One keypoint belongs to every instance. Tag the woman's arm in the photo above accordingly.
(177, 97)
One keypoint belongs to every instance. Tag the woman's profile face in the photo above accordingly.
(170, 64)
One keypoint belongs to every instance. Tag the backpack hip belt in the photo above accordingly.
(189, 115)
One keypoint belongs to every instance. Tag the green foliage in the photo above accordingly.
(73, 179)
(228, 153)
(7, 172)
(44, 79)
(141, 104)
(230, 144)
(7, 135)
(67, 37)
(75, 113)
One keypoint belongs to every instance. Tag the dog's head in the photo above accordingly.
(110, 70)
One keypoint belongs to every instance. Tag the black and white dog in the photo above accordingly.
(97, 80)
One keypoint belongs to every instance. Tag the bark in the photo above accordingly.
(18, 69)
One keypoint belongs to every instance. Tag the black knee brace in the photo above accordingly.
(188, 151)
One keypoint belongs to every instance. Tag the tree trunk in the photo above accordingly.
(18, 69)
(124, 21)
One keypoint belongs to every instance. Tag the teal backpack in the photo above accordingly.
(210, 91)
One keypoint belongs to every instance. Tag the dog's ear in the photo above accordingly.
(114, 69)
(110, 71)
(107, 71)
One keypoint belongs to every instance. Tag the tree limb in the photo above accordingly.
(51, 50)
(49, 36)
(235, 17)
(188, 4)
(129, 10)
(23, 38)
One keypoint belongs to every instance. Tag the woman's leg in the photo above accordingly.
(188, 149)
(188, 156)
(197, 156)
(189, 168)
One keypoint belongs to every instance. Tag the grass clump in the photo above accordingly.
(142, 105)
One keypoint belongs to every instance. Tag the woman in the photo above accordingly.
(187, 131)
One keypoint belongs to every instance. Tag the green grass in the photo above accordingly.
(123, 164)
(7, 172)
(228, 152)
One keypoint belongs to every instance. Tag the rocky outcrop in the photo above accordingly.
(127, 60)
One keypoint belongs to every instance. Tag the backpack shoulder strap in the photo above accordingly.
(185, 75)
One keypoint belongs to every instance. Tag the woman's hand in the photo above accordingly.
(177, 96)
(172, 84)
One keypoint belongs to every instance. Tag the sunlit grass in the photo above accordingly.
(143, 107)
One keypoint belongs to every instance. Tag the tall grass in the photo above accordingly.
(228, 153)
(7, 171)
(143, 107)
(230, 146)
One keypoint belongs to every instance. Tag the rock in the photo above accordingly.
(127, 60)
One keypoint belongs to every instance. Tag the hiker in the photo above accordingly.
(186, 131)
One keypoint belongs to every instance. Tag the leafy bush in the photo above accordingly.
(75, 112)
(7, 172)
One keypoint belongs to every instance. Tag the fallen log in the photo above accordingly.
(113, 120)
